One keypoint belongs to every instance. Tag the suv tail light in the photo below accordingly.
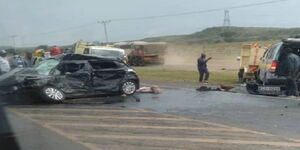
(273, 67)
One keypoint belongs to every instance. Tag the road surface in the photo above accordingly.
(175, 119)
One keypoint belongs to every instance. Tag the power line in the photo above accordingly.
(62, 30)
(198, 12)
(151, 17)
(53, 31)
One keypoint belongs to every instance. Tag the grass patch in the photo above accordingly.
(182, 76)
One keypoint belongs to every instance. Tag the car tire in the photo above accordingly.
(128, 87)
(51, 94)
(252, 88)
(257, 77)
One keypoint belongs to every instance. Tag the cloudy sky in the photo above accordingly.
(57, 22)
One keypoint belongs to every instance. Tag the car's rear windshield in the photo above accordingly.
(46, 66)
(274, 53)
(294, 46)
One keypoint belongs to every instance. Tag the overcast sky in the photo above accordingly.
(29, 18)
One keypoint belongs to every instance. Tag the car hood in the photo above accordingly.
(18, 76)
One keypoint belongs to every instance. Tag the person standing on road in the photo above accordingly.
(202, 68)
(4, 64)
(290, 69)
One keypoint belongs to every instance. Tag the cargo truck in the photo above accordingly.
(140, 53)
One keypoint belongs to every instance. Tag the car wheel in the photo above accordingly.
(128, 87)
(257, 77)
(252, 88)
(52, 95)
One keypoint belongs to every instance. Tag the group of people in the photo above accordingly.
(30, 59)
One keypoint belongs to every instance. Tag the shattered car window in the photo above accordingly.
(70, 68)
(103, 65)
(45, 67)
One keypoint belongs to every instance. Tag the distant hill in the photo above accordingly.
(230, 34)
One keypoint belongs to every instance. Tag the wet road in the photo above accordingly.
(175, 119)
(276, 115)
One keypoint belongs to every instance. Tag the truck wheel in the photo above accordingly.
(52, 95)
(134, 61)
(128, 87)
(141, 62)
(130, 60)
(240, 75)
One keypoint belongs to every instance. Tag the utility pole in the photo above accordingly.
(14, 41)
(23, 40)
(105, 22)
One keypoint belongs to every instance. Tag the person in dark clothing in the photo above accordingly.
(290, 65)
(28, 59)
(202, 68)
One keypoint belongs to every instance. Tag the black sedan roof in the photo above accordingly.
(69, 57)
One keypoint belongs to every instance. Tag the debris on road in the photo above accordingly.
(137, 99)
(226, 87)
(206, 88)
(222, 87)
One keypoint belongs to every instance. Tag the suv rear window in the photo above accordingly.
(273, 52)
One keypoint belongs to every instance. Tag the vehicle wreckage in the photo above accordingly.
(72, 76)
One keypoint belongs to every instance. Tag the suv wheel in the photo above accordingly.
(252, 88)
(52, 95)
(128, 87)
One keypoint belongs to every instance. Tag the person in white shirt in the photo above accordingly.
(4, 64)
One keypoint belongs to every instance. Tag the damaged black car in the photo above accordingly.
(72, 76)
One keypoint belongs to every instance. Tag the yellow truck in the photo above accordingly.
(80, 46)
(249, 61)
(140, 53)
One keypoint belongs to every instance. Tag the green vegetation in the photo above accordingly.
(230, 34)
(184, 76)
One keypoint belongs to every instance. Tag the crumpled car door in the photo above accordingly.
(107, 77)
(74, 78)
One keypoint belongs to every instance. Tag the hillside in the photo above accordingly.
(230, 34)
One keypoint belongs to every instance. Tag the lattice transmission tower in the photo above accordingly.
(226, 22)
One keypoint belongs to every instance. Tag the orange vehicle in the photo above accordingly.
(140, 53)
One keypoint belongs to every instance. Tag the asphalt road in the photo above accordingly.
(174, 119)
